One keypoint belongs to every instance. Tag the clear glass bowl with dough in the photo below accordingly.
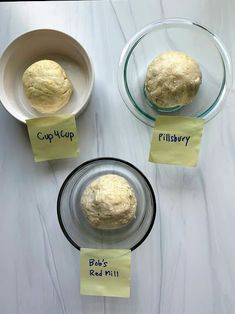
(175, 35)
(74, 223)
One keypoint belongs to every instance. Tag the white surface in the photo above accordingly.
(187, 264)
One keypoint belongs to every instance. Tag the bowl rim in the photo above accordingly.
(226, 85)
(3, 98)
(93, 161)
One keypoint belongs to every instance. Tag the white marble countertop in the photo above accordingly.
(187, 264)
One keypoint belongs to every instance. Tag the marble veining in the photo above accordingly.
(187, 264)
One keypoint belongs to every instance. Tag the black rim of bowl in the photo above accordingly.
(103, 159)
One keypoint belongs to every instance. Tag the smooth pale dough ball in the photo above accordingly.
(173, 78)
(47, 86)
(109, 202)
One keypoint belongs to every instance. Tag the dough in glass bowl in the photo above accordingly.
(109, 202)
(173, 78)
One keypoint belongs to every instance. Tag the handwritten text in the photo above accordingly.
(167, 137)
(55, 134)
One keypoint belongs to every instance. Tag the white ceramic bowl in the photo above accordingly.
(37, 45)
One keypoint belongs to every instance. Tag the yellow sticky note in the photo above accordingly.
(176, 140)
(105, 272)
(53, 137)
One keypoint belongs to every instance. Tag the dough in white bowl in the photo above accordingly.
(47, 86)
(173, 78)
(109, 202)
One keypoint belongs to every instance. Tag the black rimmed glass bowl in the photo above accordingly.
(76, 227)
(175, 35)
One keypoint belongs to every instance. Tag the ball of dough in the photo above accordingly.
(109, 202)
(173, 78)
(47, 86)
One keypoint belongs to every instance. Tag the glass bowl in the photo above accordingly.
(178, 35)
(75, 225)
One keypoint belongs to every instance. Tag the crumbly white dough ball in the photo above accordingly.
(173, 78)
(109, 202)
(47, 86)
